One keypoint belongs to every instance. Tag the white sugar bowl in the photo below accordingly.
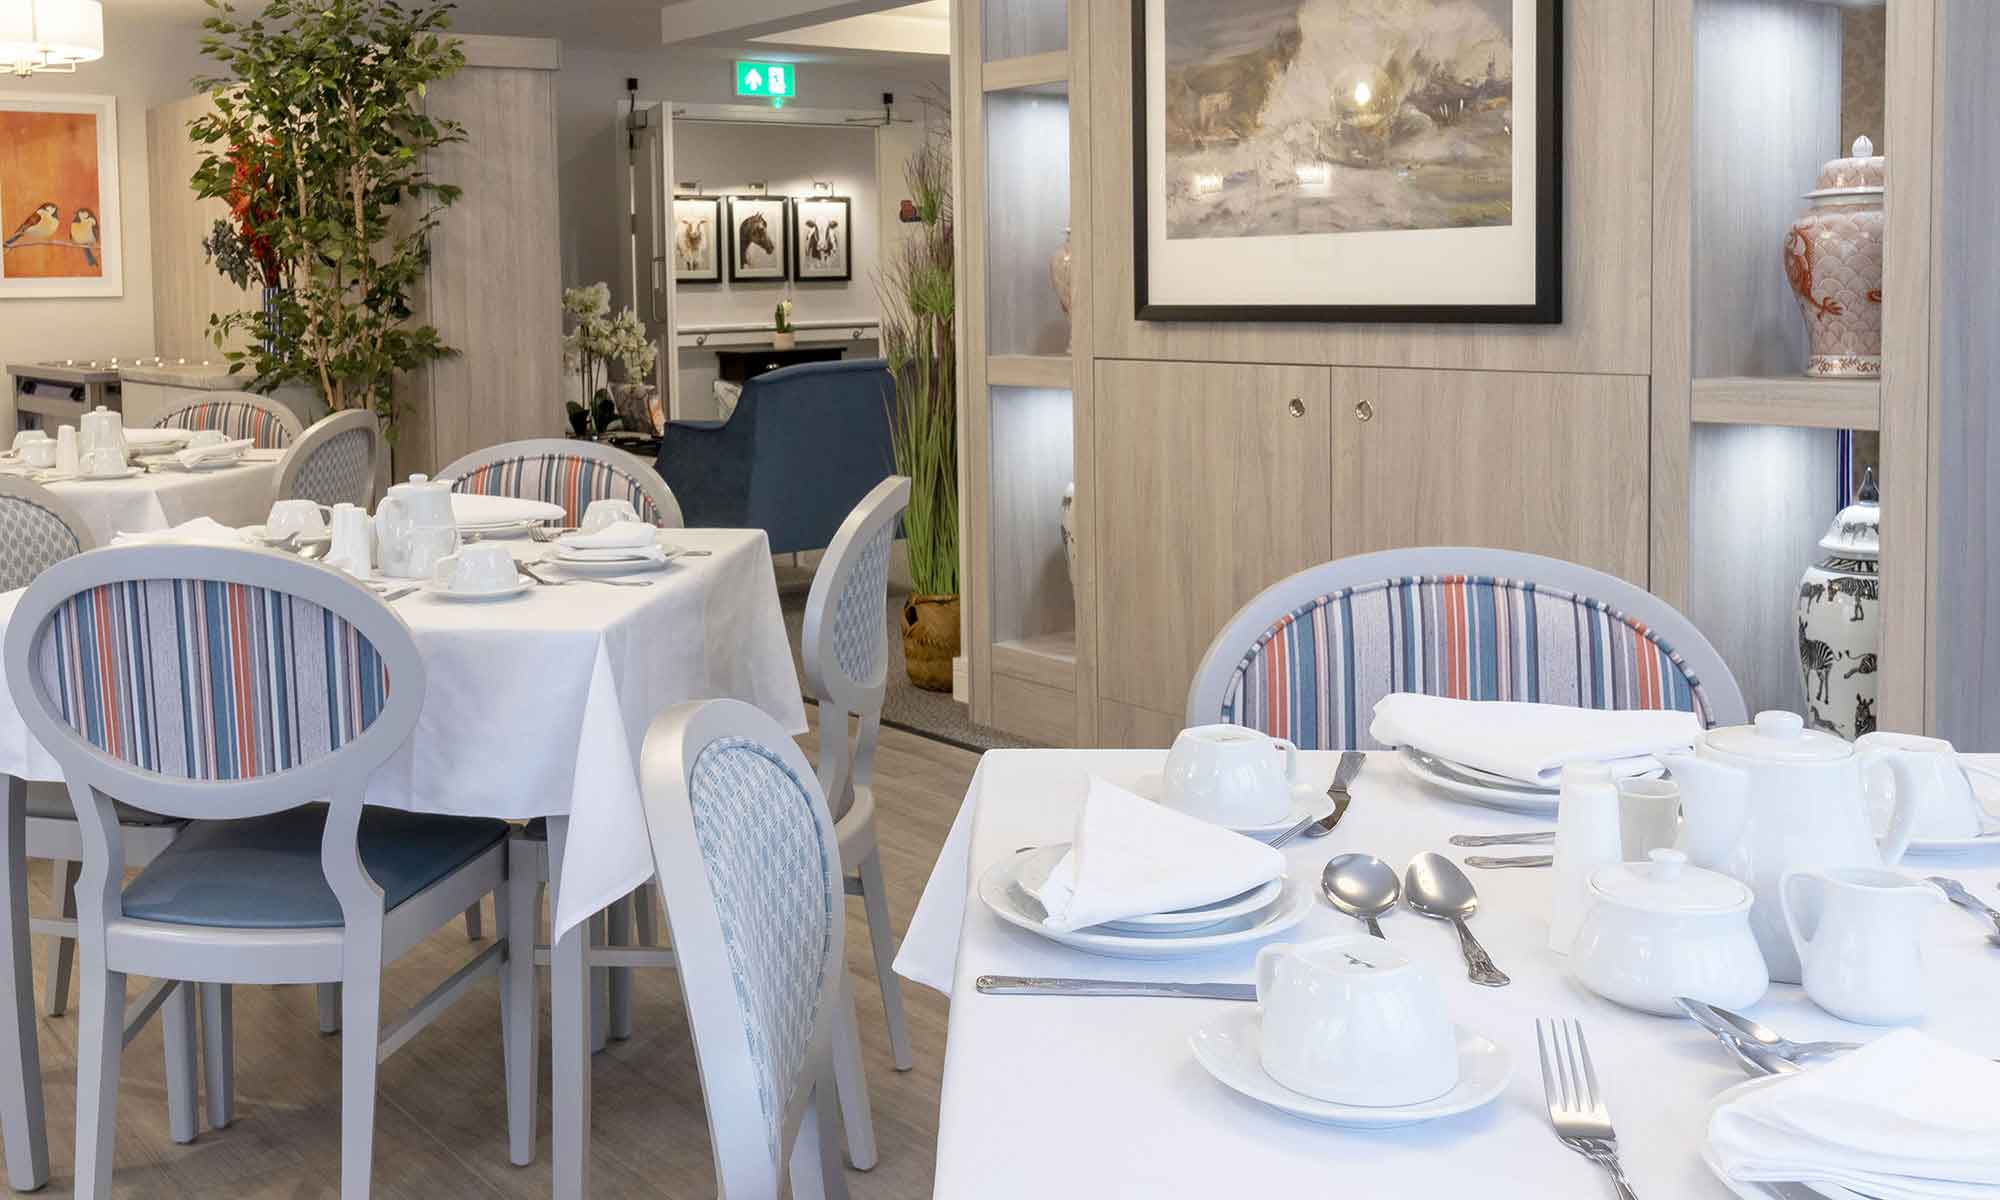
(1660, 929)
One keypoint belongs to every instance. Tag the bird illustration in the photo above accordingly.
(83, 231)
(38, 228)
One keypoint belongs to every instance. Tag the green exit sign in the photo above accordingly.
(773, 81)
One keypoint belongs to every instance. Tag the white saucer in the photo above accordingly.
(521, 584)
(999, 889)
(1033, 872)
(1229, 1047)
(1751, 1190)
(1984, 787)
(256, 534)
(127, 473)
(1307, 801)
(1438, 774)
(614, 566)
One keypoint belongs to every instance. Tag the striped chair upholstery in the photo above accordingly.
(265, 424)
(210, 681)
(1315, 674)
(569, 480)
(33, 535)
(771, 875)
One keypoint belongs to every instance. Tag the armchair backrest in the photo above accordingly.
(567, 472)
(334, 461)
(37, 530)
(238, 415)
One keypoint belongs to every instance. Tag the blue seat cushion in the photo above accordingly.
(264, 872)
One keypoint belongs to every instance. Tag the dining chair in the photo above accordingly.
(253, 695)
(567, 472)
(1308, 657)
(264, 421)
(844, 648)
(746, 854)
(334, 461)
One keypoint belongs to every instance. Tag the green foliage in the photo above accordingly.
(919, 338)
(781, 317)
(320, 142)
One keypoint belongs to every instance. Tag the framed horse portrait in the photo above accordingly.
(822, 239)
(759, 239)
(697, 239)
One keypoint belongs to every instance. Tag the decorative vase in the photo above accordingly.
(1833, 259)
(1062, 273)
(1840, 620)
(930, 640)
(637, 405)
(1069, 531)
(786, 340)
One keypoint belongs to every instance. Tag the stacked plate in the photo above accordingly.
(500, 516)
(611, 561)
(1263, 911)
(1480, 787)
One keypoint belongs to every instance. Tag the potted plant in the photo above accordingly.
(786, 337)
(919, 313)
(599, 340)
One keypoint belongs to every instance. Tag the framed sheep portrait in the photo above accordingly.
(697, 239)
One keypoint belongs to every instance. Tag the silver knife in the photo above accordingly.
(1475, 840)
(1488, 862)
(1029, 985)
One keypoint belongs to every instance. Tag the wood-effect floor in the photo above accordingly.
(440, 1127)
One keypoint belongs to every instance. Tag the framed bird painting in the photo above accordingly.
(822, 239)
(59, 230)
(759, 239)
(697, 239)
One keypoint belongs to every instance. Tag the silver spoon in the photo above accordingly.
(1956, 892)
(1436, 888)
(1362, 886)
(1768, 1038)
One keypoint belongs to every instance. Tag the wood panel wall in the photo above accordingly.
(186, 287)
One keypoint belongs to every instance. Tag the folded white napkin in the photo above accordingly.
(202, 531)
(230, 451)
(620, 535)
(1131, 857)
(470, 510)
(1530, 742)
(156, 439)
(1904, 1118)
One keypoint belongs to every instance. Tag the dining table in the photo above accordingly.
(535, 706)
(165, 494)
(1087, 1096)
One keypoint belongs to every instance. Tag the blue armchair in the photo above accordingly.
(804, 445)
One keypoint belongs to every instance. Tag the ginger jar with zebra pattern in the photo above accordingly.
(1840, 620)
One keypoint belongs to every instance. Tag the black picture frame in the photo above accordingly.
(801, 250)
(1546, 309)
(718, 213)
(783, 232)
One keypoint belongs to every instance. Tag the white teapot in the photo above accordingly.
(1760, 800)
(414, 528)
(101, 448)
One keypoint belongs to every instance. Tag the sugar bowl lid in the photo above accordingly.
(1667, 885)
(1863, 173)
(1857, 531)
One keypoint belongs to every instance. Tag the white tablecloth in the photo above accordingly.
(1059, 1097)
(238, 495)
(538, 706)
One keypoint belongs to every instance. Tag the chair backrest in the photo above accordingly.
(212, 682)
(750, 872)
(1309, 657)
(37, 531)
(844, 643)
(566, 472)
(264, 421)
(334, 461)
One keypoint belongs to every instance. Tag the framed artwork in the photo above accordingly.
(59, 225)
(759, 239)
(822, 239)
(697, 239)
(1348, 160)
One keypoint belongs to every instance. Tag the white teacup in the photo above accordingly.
(603, 514)
(480, 567)
(1354, 1020)
(39, 455)
(27, 436)
(1231, 775)
(1947, 809)
(206, 437)
(295, 518)
(1649, 816)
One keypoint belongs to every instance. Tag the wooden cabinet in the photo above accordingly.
(1210, 484)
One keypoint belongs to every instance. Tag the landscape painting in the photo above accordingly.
(58, 197)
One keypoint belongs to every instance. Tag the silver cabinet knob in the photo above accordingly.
(1297, 407)
(1364, 411)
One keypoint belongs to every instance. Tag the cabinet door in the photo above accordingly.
(1211, 485)
(1550, 464)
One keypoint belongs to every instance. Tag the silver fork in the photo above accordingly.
(545, 581)
(1576, 1107)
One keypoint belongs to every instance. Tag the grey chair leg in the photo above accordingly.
(329, 1008)
(875, 900)
(23, 1124)
(62, 878)
(472, 923)
(646, 913)
(815, 1160)
(521, 925)
(618, 932)
(600, 991)
(850, 1082)
(100, 1037)
(360, 1037)
(218, 1052)
(177, 1035)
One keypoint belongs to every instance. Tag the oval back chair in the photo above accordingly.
(569, 473)
(38, 529)
(334, 461)
(264, 421)
(1308, 657)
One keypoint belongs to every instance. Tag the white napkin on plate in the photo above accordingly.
(156, 439)
(1531, 742)
(202, 531)
(1131, 857)
(620, 535)
(471, 511)
(1906, 1117)
(195, 456)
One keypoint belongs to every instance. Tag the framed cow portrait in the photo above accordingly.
(697, 239)
(759, 239)
(822, 239)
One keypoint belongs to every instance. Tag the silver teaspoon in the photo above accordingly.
(1362, 886)
(1435, 887)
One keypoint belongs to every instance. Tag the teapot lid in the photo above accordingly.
(1778, 737)
(1857, 531)
(1863, 173)
(1668, 885)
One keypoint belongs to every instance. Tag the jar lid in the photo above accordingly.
(1857, 531)
(1668, 885)
(1864, 173)
(1778, 737)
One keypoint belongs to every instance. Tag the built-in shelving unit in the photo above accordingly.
(1793, 402)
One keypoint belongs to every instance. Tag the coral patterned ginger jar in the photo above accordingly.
(1833, 259)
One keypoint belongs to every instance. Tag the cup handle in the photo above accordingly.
(1801, 914)
(1267, 969)
(1291, 758)
(1908, 791)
